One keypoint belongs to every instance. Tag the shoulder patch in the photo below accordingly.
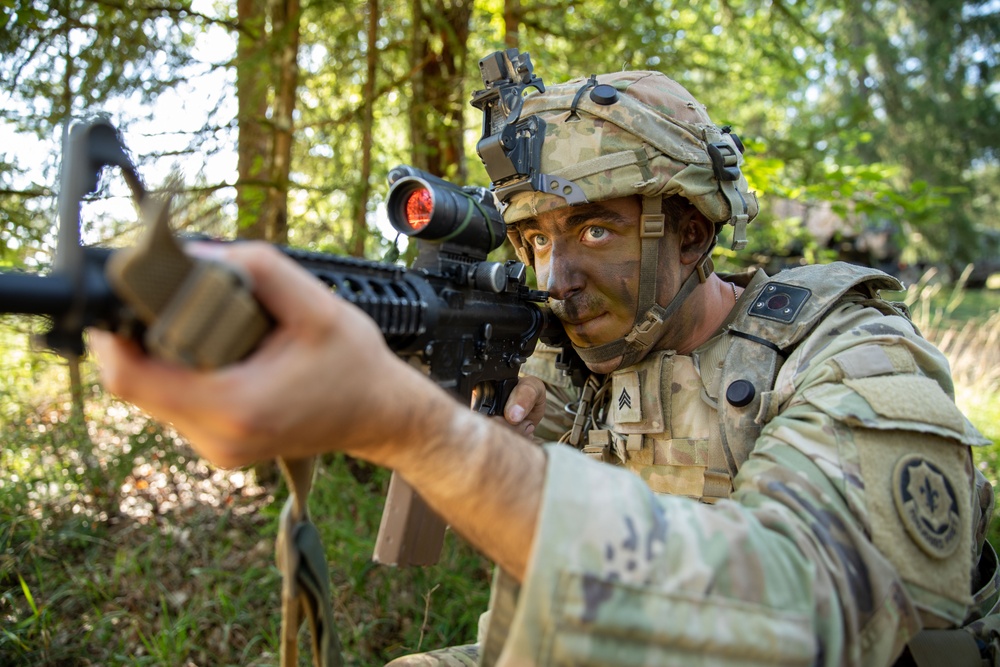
(918, 494)
(926, 503)
(780, 302)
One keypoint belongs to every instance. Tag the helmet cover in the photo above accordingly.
(645, 135)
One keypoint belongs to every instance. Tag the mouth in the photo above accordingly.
(586, 322)
(579, 321)
(585, 331)
(572, 316)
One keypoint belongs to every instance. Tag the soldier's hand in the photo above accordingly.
(526, 405)
(322, 380)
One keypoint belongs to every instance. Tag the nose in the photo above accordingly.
(561, 274)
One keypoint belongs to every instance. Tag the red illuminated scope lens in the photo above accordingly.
(419, 208)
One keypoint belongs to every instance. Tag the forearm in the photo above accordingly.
(324, 381)
(484, 479)
(623, 574)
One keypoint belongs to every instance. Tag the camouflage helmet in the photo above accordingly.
(612, 135)
(609, 136)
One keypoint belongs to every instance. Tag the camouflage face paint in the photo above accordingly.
(588, 258)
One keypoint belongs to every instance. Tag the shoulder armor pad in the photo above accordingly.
(787, 306)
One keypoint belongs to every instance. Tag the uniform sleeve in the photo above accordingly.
(850, 527)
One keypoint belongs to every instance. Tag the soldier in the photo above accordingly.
(790, 481)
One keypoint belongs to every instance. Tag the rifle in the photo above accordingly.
(468, 322)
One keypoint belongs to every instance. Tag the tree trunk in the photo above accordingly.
(267, 77)
(266, 66)
(285, 40)
(251, 94)
(359, 231)
(439, 88)
(511, 23)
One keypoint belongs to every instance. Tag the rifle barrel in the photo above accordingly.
(32, 294)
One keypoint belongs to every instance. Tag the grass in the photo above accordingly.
(118, 546)
(181, 572)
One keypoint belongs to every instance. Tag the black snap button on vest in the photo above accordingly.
(740, 393)
(604, 95)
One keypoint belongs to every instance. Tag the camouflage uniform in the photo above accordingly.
(855, 521)
(823, 518)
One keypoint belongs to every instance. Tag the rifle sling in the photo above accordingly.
(305, 589)
(197, 313)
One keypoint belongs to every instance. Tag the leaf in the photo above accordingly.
(28, 596)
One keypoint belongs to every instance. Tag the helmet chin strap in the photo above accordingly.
(651, 319)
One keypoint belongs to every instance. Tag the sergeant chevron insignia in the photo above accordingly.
(926, 503)
(624, 400)
(626, 397)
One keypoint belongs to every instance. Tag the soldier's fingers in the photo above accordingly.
(128, 372)
(526, 402)
(288, 293)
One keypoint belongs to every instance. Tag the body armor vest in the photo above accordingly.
(686, 424)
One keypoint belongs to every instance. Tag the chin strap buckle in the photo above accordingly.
(705, 267)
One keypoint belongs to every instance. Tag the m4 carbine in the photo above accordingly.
(468, 322)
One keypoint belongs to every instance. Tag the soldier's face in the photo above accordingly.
(587, 257)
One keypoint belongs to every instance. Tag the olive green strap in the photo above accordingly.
(197, 313)
(649, 330)
(305, 589)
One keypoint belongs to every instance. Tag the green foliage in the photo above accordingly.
(62, 57)
(886, 111)
(390, 612)
(114, 538)
(65, 60)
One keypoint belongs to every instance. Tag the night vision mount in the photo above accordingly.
(511, 147)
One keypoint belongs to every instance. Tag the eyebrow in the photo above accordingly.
(593, 213)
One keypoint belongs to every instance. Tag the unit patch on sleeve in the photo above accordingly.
(926, 503)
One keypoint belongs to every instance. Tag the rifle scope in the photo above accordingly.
(426, 207)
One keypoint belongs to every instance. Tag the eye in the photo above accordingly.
(538, 241)
(596, 233)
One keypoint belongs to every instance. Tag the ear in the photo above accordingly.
(696, 234)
